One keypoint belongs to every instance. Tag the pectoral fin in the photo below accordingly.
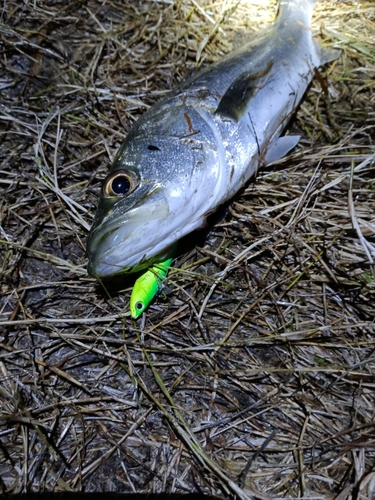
(279, 148)
(326, 54)
(235, 101)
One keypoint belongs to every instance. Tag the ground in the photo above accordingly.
(252, 375)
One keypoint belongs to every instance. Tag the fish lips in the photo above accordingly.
(119, 242)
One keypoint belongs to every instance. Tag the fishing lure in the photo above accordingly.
(146, 287)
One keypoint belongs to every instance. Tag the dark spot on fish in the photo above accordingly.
(231, 173)
(153, 148)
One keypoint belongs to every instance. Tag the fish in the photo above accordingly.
(196, 148)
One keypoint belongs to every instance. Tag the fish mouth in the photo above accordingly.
(105, 267)
(129, 240)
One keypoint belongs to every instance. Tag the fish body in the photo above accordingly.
(196, 148)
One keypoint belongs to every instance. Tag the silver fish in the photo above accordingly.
(196, 148)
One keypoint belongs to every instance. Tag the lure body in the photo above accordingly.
(147, 286)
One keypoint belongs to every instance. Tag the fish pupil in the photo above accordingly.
(120, 185)
(139, 306)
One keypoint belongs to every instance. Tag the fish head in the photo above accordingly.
(152, 197)
(129, 207)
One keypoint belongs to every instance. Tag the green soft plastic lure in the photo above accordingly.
(147, 286)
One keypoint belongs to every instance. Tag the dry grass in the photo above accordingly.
(254, 376)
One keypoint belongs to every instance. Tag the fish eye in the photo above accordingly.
(120, 183)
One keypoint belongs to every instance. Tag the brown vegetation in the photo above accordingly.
(254, 374)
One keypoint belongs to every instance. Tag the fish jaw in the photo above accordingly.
(115, 243)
